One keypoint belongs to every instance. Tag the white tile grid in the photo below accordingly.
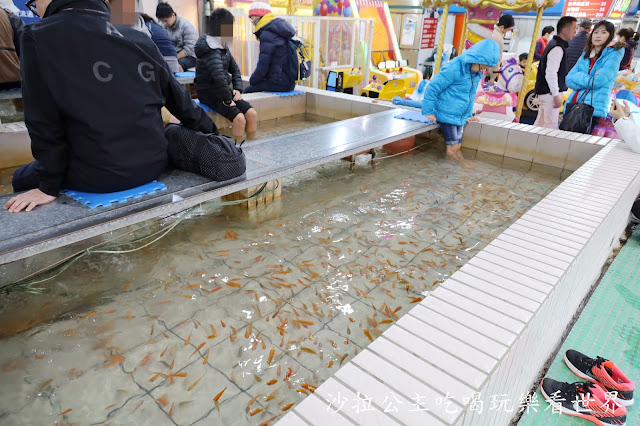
(534, 296)
(524, 258)
(481, 325)
(364, 383)
(583, 210)
(505, 290)
(566, 229)
(487, 345)
(542, 332)
(313, 408)
(583, 185)
(592, 204)
(440, 380)
(550, 241)
(471, 135)
(493, 140)
(370, 416)
(553, 259)
(292, 419)
(567, 214)
(579, 153)
(509, 263)
(500, 270)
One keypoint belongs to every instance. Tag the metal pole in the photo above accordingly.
(527, 71)
(463, 39)
(443, 29)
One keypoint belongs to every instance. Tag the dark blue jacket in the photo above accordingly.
(161, 39)
(576, 48)
(273, 62)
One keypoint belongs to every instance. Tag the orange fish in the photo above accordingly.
(186, 342)
(89, 314)
(171, 410)
(234, 284)
(126, 286)
(145, 360)
(68, 410)
(311, 351)
(193, 385)
(256, 411)
(217, 397)
(199, 347)
(329, 364)
(272, 382)
(286, 407)
(115, 359)
(271, 353)
(163, 400)
(206, 358)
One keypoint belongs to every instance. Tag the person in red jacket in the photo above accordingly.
(542, 42)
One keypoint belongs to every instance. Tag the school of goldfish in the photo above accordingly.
(239, 321)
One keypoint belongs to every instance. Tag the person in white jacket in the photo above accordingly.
(629, 132)
(627, 129)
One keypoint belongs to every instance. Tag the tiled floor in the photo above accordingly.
(265, 310)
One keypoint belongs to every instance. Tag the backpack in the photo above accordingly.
(299, 61)
(213, 156)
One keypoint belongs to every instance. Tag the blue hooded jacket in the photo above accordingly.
(273, 62)
(604, 74)
(451, 93)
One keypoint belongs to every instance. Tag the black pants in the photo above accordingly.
(26, 178)
(187, 62)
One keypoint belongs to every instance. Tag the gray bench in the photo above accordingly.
(65, 221)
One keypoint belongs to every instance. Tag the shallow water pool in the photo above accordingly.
(254, 310)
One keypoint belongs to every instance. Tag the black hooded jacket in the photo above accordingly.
(92, 98)
(216, 70)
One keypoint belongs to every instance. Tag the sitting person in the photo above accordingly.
(161, 40)
(95, 126)
(271, 73)
(522, 60)
(181, 33)
(10, 31)
(218, 79)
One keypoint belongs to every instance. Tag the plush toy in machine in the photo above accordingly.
(498, 100)
(415, 99)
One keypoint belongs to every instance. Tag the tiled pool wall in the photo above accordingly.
(491, 327)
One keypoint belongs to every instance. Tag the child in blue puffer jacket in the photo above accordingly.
(597, 68)
(450, 95)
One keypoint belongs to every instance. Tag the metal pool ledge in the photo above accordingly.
(64, 222)
(490, 328)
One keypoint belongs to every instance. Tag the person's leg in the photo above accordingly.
(540, 119)
(548, 114)
(26, 178)
(250, 115)
(239, 124)
(450, 133)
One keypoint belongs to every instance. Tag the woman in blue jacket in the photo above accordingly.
(450, 94)
(271, 73)
(595, 73)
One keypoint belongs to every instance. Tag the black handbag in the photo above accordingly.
(214, 156)
(578, 116)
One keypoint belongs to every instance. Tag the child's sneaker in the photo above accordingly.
(586, 400)
(601, 371)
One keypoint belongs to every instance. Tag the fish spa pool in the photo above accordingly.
(235, 319)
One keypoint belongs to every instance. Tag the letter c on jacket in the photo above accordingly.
(96, 72)
(150, 75)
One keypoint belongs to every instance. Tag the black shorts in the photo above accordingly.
(230, 113)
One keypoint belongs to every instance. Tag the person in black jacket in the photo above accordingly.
(271, 73)
(577, 45)
(218, 79)
(92, 98)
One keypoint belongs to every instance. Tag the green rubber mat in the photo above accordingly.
(609, 326)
